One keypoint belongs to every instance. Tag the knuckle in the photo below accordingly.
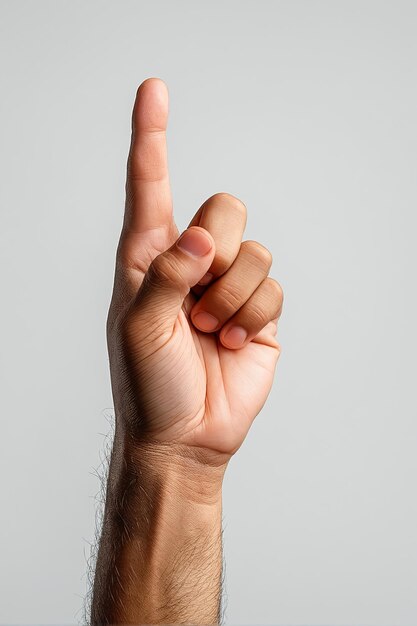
(164, 271)
(159, 272)
(144, 164)
(228, 297)
(276, 292)
(257, 316)
(231, 201)
(259, 253)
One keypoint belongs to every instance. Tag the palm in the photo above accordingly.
(215, 393)
(246, 378)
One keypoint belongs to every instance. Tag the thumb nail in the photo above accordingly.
(194, 242)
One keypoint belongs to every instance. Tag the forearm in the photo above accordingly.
(160, 554)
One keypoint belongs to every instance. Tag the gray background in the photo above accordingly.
(307, 111)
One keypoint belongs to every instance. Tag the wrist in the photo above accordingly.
(191, 474)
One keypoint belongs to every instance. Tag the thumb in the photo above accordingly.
(171, 275)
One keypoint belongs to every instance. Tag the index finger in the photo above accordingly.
(148, 193)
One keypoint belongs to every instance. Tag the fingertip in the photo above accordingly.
(150, 112)
(154, 83)
(234, 337)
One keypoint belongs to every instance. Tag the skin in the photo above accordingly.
(191, 367)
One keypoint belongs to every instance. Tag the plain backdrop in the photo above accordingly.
(306, 110)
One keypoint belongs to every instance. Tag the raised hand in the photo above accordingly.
(193, 319)
(192, 345)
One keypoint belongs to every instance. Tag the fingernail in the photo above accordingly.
(235, 337)
(194, 242)
(205, 321)
(206, 279)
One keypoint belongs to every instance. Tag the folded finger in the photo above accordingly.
(224, 216)
(263, 306)
(226, 295)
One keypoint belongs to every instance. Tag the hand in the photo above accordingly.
(191, 363)
(192, 346)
